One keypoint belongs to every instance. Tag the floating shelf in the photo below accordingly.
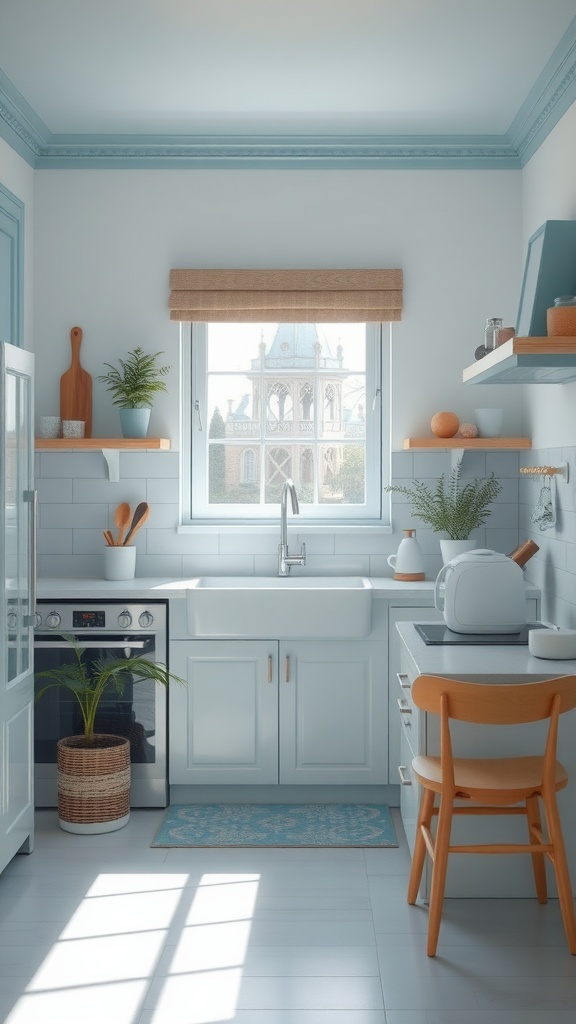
(467, 443)
(526, 361)
(82, 443)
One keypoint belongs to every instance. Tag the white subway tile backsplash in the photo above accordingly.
(149, 465)
(169, 542)
(221, 565)
(53, 490)
(57, 542)
(162, 491)
(77, 502)
(69, 516)
(73, 464)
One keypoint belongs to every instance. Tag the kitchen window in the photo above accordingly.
(264, 402)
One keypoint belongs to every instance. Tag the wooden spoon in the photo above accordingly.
(122, 517)
(140, 516)
(108, 538)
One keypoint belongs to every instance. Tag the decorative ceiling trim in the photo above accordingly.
(549, 99)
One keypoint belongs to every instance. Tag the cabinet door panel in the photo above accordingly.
(223, 724)
(333, 713)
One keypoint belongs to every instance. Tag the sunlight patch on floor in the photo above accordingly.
(102, 965)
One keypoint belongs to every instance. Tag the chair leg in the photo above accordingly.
(441, 847)
(561, 869)
(419, 855)
(538, 865)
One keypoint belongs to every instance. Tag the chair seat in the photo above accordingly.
(503, 774)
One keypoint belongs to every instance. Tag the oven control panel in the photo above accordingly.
(74, 617)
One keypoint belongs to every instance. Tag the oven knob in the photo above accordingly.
(53, 620)
(37, 620)
(124, 619)
(12, 620)
(146, 620)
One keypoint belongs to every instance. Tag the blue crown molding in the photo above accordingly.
(549, 99)
(279, 151)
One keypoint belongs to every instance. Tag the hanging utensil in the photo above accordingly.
(122, 517)
(140, 516)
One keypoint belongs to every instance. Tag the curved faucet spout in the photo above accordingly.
(285, 560)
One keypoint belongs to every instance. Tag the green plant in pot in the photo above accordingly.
(452, 508)
(134, 387)
(94, 766)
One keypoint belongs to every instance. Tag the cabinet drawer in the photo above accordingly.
(409, 790)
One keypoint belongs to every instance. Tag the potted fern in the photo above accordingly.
(452, 509)
(134, 387)
(93, 767)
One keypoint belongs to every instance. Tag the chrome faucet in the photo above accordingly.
(285, 559)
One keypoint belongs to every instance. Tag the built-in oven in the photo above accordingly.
(104, 629)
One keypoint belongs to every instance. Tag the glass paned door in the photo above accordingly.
(16, 601)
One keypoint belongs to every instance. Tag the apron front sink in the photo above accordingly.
(279, 607)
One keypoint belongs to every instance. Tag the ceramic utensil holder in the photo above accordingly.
(120, 562)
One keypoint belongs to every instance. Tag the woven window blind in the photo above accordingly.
(289, 296)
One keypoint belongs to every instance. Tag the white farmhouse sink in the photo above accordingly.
(279, 607)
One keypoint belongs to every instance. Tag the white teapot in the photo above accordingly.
(408, 563)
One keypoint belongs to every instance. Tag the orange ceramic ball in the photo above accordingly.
(444, 424)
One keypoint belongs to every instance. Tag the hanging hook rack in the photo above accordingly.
(562, 470)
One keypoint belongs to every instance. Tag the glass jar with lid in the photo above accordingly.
(561, 317)
(493, 325)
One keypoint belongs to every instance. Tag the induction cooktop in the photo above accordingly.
(436, 633)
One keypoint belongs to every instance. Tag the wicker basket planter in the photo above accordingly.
(93, 784)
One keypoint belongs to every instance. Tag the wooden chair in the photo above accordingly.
(492, 785)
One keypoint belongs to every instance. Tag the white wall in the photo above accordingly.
(549, 193)
(106, 240)
(18, 176)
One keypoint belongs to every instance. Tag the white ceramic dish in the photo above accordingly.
(553, 644)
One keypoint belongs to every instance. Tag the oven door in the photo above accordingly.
(139, 714)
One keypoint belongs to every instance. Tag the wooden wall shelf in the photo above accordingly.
(84, 443)
(526, 361)
(467, 443)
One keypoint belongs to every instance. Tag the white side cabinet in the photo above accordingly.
(265, 712)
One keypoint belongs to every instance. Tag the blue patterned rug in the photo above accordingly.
(276, 825)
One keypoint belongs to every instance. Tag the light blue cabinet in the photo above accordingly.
(270, 712)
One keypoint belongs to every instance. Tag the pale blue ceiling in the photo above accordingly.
(264, 83)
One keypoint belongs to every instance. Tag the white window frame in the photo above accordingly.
(195, 421)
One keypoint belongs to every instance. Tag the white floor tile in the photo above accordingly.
(105, 928)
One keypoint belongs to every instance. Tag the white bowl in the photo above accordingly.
(554, 644)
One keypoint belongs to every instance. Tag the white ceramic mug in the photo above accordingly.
(489, 422)
(120, 562)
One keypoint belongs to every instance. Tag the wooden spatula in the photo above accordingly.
(138, 519)
(76, 388)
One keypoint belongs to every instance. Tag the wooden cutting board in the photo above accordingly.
(76, 388)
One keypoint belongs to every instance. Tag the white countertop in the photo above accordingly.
(146, 588)
(479, 662)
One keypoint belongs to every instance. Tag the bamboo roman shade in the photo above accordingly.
(289, 296)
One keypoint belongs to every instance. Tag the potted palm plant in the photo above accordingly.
(452, 509)
(134, 387)
(93, 768)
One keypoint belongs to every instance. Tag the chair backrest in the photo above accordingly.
(494, 703)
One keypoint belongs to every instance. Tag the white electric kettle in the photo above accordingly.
(481, 591)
